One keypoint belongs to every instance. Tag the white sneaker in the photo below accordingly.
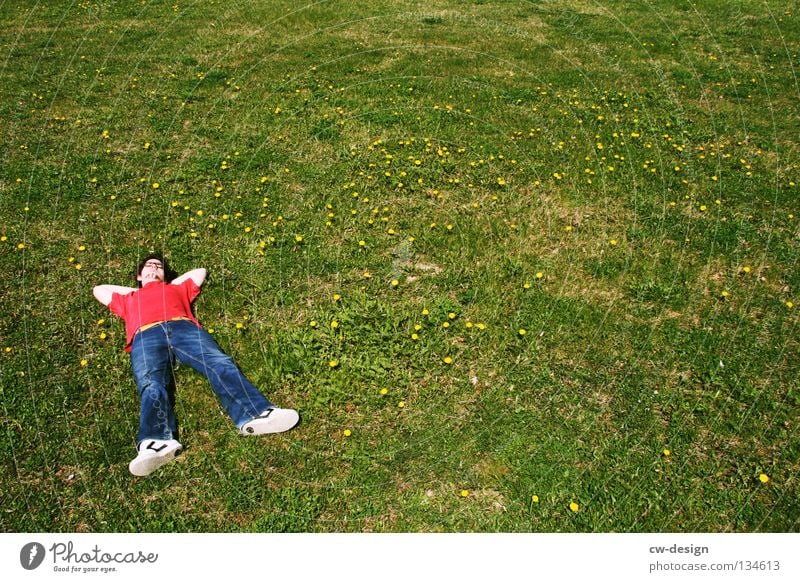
(273, 420)
(154, 453)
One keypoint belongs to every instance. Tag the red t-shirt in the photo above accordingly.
(153, 303)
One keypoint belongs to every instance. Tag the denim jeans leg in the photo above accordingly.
(194, 347)
(151, 363)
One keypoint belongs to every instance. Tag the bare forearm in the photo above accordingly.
(196, 275)
(104, 293)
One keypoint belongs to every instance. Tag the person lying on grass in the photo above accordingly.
(162, 330)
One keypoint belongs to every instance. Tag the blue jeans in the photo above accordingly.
(154, 353)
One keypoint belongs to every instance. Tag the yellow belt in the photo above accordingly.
(149, 325)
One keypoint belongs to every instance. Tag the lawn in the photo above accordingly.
(522, 266)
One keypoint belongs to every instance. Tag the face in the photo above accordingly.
(153, 270)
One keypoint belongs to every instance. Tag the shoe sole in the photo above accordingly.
(276, 422)
(147, 465)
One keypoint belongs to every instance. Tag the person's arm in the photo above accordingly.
(196, 275)
(104, 293)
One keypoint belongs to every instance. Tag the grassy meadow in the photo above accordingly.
(522, 266)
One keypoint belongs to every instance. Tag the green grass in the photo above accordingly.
(617, 179)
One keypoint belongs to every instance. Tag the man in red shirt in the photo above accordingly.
(162, 330)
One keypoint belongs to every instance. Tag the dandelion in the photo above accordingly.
(395, 282)
(384, 391)
(337, 297)
(539, 275)
(789, 304)
(448, 360)
(574, 507)
(156, 185)
(333, 364)
(522, 332)
(535, 498)
(401, 404)
(347, 432)
(666, 452)
(763, 478)
(334, 324)
(613, 242)
(313, 324)
(464, 493)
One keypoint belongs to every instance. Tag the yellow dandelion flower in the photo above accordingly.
(347, 432)
(384, 391)
(763, 478)
(333, 363)
(535, 498)
(522, 332)
(574, 507)
(464, 493)
(401, 404)
(448, 360)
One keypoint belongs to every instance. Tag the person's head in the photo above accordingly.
(154, 267)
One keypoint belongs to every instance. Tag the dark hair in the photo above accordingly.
(169, 274)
